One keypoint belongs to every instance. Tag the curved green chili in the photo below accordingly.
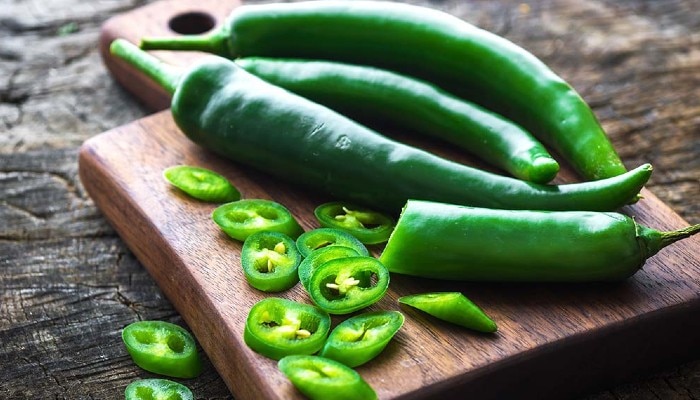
(428, 44)
(452, 242)
(237, 115)
(372, 95)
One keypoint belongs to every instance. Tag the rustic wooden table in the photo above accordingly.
(68, 284)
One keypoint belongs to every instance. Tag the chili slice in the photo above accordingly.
(320, 256)
(323, 237)
(452, 307)
(202, 184)
(242, 218)
(162, 348)
(278, 327)
(368, 226)
(345, 285)
(155, 388)
(270, 261)
(322, 378)
(361, 338)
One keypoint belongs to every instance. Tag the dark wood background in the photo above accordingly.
(68, 284)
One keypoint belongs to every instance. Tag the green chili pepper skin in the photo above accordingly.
(278, 327)
(368, 226)
(344, 285)
(361, 338)
(371, 95)
(155, 388)
(319, 238)
(242, 218)
(428, 44)
(452, 307)
(233, 113)
(452, 242)
(320, 378)
(318, 257)
(162, 348)
(202, 184)
(270, 261)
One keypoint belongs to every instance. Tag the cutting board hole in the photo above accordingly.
(192, 23)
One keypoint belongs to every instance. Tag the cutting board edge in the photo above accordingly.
(495, 381)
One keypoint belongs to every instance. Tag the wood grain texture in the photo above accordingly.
(548, 334)
(69, 284)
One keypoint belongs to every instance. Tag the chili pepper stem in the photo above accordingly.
(655, 240)
(214, 43)
(163, 74)
(673, 236)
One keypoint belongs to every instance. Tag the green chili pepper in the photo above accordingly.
(233, 113)
(368, 226)
(319, 257)
(242, 218)
(278, 327)
(361, 338)
(324, 237)
(320, 378)
(270, 261)
(202, 184)
(345, 285)
(372, 95)
(428, 44)
(154, 388)
(462, 243)
(452, 307)
(162, 348)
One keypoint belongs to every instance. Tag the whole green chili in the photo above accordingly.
(239, 116)
(453, 242)
(428, 44)
(376, 96)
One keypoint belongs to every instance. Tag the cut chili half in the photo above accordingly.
(202, 184)
(345, 285)
(162, 348)
(270, 261)
(452, 307)
(368, 226)
(240, 219)
(155, 388)
(361, 338)
(322, 378)
(278, 327)
(325, 237)
(318, 257)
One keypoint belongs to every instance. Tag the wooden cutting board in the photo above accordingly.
(554, 341)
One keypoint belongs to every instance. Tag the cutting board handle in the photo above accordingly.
(163, 18)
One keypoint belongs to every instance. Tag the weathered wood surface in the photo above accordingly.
(68, 284)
